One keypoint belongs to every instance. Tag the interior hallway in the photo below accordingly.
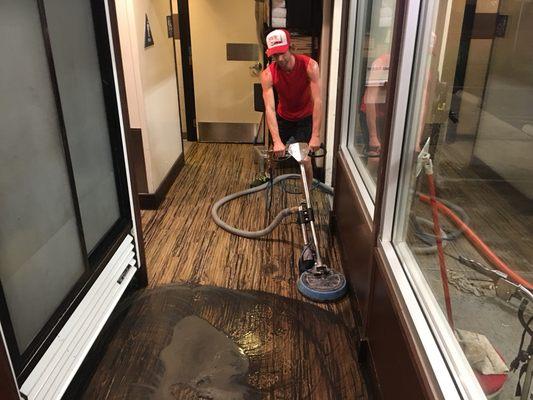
(222, 318)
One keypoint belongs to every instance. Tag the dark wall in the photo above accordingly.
(401, 368)
(390, 349)
(355, 233)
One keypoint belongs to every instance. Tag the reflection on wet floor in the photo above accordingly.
(203, 360)
(201, 342)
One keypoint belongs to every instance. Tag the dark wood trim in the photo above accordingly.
(353, 227)
(270, 14)
(137, 158)
(368, 369)
(142, 273)
(400, 360)
(9, 333)
(8, 385)
(175, 29)
(357, 199)
(186, 63)
(151, 201)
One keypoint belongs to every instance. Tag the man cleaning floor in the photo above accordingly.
(296, 79)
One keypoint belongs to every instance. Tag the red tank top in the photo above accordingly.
(294, 91)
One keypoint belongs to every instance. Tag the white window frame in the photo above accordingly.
(460, 381)
(364, 182)
(452, 371)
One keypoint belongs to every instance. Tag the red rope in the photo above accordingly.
(479, 244)
(440, 249)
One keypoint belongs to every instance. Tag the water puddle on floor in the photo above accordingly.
(204, 360)
(197, 342)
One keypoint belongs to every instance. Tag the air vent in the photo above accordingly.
(54, 372)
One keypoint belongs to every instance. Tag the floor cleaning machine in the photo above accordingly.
(317, 281)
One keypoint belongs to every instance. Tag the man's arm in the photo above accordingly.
(270, 111)
(314, 80)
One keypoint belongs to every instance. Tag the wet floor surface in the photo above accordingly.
(242, 330)
(202, 342)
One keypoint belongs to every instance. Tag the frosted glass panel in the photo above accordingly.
(40, 251)
(72, 38)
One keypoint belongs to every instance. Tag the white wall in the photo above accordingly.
(332, 86)
(151, 84)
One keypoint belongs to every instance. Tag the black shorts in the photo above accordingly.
(295, 131)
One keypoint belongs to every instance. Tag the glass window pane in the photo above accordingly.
(40, 251)
(370, 75)
(75, 55)
(470, 142)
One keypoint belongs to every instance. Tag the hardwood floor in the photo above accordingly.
(191, 248)
(243, 289)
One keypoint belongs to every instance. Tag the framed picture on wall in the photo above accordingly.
(170, 27)
(148, 37)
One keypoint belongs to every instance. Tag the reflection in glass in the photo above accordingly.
(466, 209)
(370, 85)
(41, 256)
(73, 41)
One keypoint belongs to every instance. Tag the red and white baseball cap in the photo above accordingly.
(278, 41)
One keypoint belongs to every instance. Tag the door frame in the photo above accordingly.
(186, 66)
(181, 102)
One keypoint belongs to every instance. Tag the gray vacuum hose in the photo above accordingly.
(429, 238)
(325, 188)
(277, 220)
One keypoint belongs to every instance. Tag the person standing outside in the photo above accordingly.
(296, 78)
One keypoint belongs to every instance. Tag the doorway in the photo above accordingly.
(221, 55)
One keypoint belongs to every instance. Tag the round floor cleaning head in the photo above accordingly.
(329, 286)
